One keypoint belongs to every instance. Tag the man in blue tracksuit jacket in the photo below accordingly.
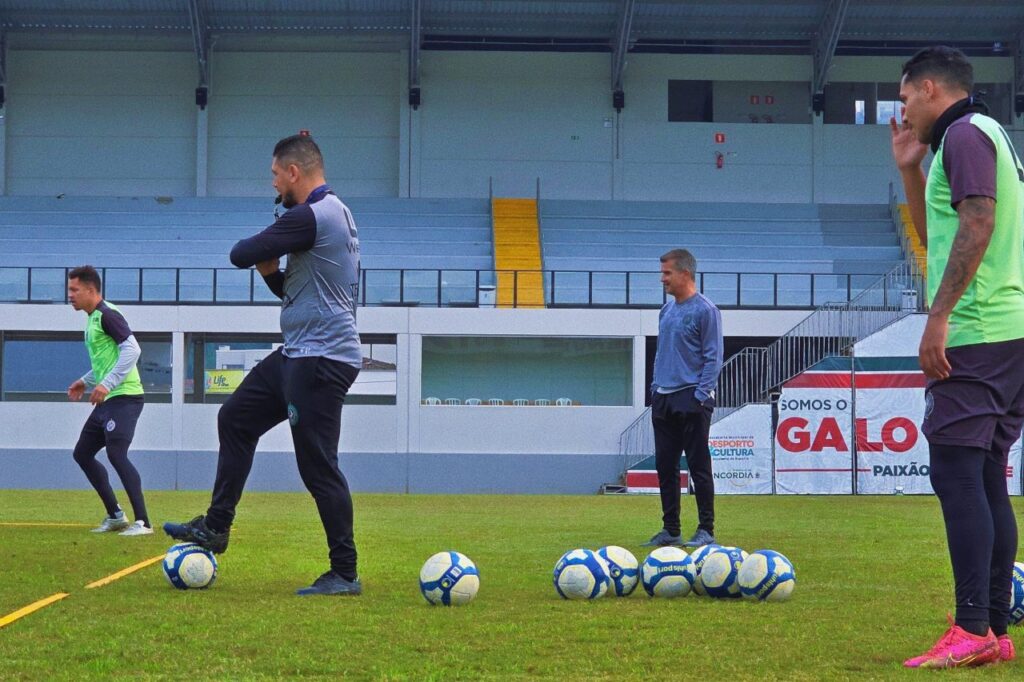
(686, 368)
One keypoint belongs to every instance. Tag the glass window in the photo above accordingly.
(527, 371)
(227, 359)
(40, 367)
(690, 101)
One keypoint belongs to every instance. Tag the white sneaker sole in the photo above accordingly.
(137, 531)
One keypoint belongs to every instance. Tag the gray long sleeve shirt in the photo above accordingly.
(320, 287)
(689, 347)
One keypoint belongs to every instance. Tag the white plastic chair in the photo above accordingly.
(452, 401)
(473, 401)
(520, 402)
(495, 401)
(563, 402)
(542, 402)
(432, 401)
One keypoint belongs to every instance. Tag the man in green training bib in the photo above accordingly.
(969, 211)
(117, 400)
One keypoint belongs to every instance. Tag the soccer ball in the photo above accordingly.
(188, 566)
(449, 578)
(698, 556)
(719, 572)
(767, 576)
(1017, 595)
(668, 572)
(624, 569)
(582, 574)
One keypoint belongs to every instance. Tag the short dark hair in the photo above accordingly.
(946, 64)
(300, 150)
(87, 275)
(681, 260)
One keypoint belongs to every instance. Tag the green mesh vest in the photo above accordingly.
(992, 307)
(103, 354)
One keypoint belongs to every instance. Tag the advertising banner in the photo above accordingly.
(813, 449)
(741, 452)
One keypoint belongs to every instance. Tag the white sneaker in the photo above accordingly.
(112, 523)
(137, 528)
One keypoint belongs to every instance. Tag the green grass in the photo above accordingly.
(873, 588)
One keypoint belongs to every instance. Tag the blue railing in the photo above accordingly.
(441, 288)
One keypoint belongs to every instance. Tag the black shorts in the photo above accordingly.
(981, 404)
(114, 420)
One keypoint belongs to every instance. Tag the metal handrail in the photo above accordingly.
(563, 288)
(754, 374)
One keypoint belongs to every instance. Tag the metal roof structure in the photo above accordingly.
(653, 20)
(821, 28)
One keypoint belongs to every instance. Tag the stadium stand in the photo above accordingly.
(759, 240)
(405, 242)
(396, 234)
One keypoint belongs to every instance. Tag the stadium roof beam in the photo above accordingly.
(201, 39)
(825, 42)
(415, 42)
(625, 27)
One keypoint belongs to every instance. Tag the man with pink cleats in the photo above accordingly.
(960, 649)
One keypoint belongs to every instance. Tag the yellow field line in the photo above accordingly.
(31, 608)
(122, 573)
(26, 524)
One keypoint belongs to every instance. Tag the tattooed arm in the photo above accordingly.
(977, 221)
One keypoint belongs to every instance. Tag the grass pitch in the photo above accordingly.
(873, 587)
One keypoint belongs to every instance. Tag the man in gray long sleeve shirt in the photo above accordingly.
(686, 369)
(306, 380)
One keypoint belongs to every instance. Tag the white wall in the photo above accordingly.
(347, 100)
(406, 427)
(100, 123)
(106, 123)
(515, 117)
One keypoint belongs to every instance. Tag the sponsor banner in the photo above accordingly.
(813, 449)
(644, 481)
(892, 453)
(223, 380)
(741, 451)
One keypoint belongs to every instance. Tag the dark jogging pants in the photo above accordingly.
(682, 424)
(308, 392)
(111, 425)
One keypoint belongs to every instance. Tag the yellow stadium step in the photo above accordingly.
(517, 253)
(918, 251)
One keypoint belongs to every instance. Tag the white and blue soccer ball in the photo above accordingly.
(719, 572)
(449, 578)
(767, 575)
(1017, 595)
(187, 566)
(667, 572)
(624, 569)
(698, 556)
(582, 574)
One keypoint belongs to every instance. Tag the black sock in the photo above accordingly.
(998, 631)
(975, 627)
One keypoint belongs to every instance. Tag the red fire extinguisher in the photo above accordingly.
(719, 160)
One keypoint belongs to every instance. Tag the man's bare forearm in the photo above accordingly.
(977, 221)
